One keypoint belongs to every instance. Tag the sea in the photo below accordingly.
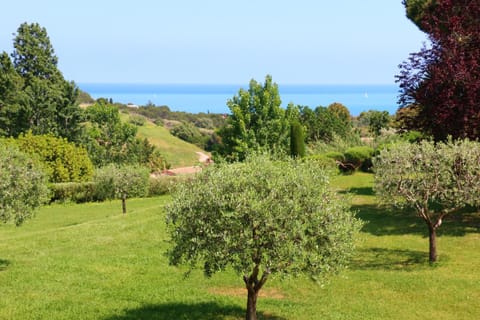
(208, 98)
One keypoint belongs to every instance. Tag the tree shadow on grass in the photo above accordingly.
(389, 259)
(4, 264)
(362, 191)
(188, 311)
(381, 221)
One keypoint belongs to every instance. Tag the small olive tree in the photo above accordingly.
(121, 182)
(432, 179)
(261, 217)
(23, 185)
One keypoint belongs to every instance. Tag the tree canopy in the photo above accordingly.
(443, 81)
(433, 180)
(33, 94)
(23, 185)
(257, 121)
(261, 217)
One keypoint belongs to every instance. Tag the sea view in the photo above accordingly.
(213, 98)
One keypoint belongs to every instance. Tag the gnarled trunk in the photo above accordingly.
(253, 286)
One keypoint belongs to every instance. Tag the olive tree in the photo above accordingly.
(23, 185)
(121, 182)
(261, 217)
(434, 180)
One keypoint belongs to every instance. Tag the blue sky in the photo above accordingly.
(221, 41)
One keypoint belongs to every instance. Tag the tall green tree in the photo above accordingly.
(256, 122)
(261, 217)
(48, 103)
(11, 96)
(375, 120)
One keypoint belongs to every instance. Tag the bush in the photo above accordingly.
(358, 158)
(163, 184)
(137, 120)
(77, 192)
(62, 160)
(323, 162)
(335, 155)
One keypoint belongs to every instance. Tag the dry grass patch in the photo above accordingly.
(242, 292)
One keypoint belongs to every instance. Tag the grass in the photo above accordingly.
(178, 153)
(91, 262)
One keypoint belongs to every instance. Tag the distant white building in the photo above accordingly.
(131, 105)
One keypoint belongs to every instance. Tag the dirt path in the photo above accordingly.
(202, 158)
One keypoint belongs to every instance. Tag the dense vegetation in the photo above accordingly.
(254, 215)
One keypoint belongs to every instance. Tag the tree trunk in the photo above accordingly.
(253, 286)
(252, 305)
(433, 243)
(124, 204)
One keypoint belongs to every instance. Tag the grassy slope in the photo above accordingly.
(90, 262)
(177, 152)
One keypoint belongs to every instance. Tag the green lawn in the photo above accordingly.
(91, 262)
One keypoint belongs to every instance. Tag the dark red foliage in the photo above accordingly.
(444, 79)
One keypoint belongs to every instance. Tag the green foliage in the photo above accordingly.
(341, 112)
(161, 185)
(137, 120)
(11, 96)
(375, 120)
(37, 96)
(84, 98)
(160, 113)
(358, 158)
(121, 182)
(23, 185)
(338, 144)
(109, 140)
(62, 160)
(297, 140)
(257, 122)
(109, 263)
(323, 124)
(417, 10)
(432, 179)
(77, 192)
(188, 132)
(324, 162)
(335, 155)
(261, 217)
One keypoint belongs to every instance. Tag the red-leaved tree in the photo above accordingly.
(443, 79)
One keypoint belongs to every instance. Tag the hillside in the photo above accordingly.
(177, 152)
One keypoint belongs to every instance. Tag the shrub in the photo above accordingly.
(62, 160)
(358, 158)
(323, 162)
(137, 120)
(77, 192)
(163, 184)
(335, 155)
